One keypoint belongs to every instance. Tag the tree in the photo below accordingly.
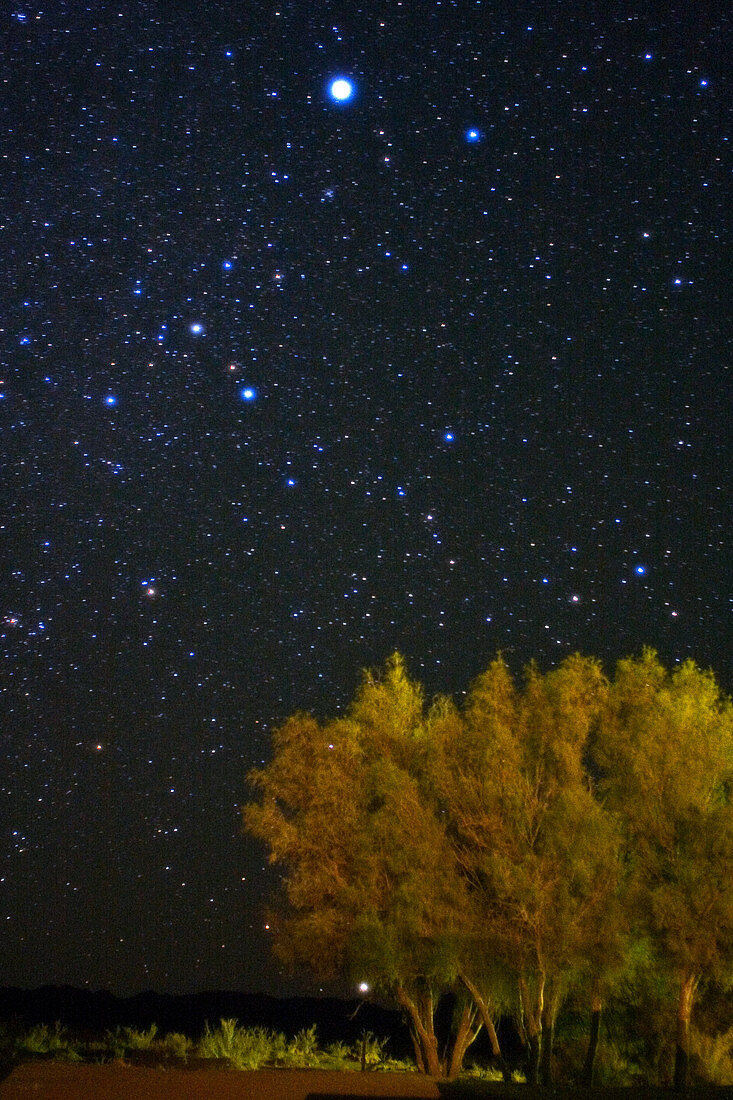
(309, 816)
(476, 961)
(538, 852)
(533, 840)
(370, 888)
(666, 750)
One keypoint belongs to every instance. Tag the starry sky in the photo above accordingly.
(297, 373)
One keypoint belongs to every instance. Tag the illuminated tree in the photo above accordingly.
(539, 855)
(369, 884)
(460, 764)
(514, 843)
(666, 749)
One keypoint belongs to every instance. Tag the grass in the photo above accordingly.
(255, 1048)
(46, 1042)
(243, 1048)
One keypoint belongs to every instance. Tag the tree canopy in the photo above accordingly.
(666, 752)
(507, 850)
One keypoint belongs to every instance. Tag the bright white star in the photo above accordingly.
(341, 89)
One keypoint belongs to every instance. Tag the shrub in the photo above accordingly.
(174, 1045)
(244, 1048)
(302, 1051)
(484, 1073)
(369, 1050)
(339, 1056)
(132, 1039)
(44, 1040)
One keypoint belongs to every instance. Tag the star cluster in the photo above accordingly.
(329, 332)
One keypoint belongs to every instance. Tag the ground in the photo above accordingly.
(117, 1081)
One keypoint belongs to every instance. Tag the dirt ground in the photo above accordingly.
(115, 1081)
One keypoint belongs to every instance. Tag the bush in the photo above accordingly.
(490, 1074)
(244, 1048)
(46, 1041)
(369, 1050)
(174, 1046)
(132, 1039)
(302, 1051)
(339, 1056)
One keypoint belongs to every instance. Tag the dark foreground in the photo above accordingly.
(118, 1081)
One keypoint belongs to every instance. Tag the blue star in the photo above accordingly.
(448, 437)
(110, 400)
(473, 135)
(341, 89)
(196, 328)
(247, 393)
(640, 570)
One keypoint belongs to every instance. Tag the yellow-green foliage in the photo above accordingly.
(243, 1048)
(131, 1038)
(49, 1041)
(713, 1055)
(534, 833)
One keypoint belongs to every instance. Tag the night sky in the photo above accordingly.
(291, 381)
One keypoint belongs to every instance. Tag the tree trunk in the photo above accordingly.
(684, 1012)
(425, 1041)
(533, 1058)
(586, 1077)
(545, 1068)
(533, 1028)
(419, 1062)
(465, 1035)
(549, 1015)
(483, 1008)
